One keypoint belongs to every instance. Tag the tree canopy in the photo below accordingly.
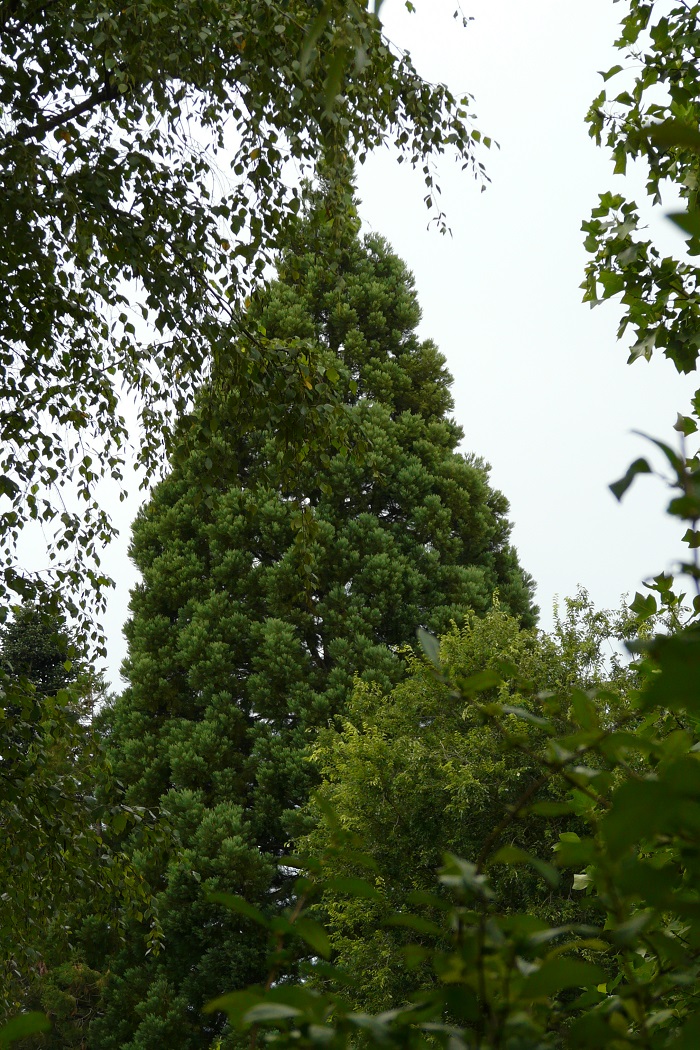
(144, 162)
(37, 647)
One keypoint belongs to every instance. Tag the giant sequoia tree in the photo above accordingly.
(261, 600)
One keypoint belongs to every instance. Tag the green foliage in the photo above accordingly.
(654, 119)
(56, 811)
(649, 111)
(67, 993)
(622, 971)
(653, 116)
(625, 776)
(21, 1026)
(412, 773)
(142, 160)
(261, 602)
(37, 647)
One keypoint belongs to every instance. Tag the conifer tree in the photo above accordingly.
(262, 598)
(37, 646)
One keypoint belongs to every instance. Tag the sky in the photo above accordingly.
(542, 388)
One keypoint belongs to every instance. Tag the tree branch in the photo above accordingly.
(36, 131)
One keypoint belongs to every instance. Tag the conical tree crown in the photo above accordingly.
(366, 312)
(261, 601)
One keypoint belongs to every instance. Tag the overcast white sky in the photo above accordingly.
(542, 388)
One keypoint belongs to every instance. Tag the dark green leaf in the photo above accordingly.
(611, 72)
(235, 1005)
(514, 855)
(687, 221)
(524, 714)
(314, 935)
(678, 685)
(618, 488)
(23, 1025)
(239, 905)
(480, 682)
(672, 133)
(353, 887)
(430, 646)
(561, 972)
(271, 1012)
(644, 605)
(312, 36)
(414, 922)
(685, 425)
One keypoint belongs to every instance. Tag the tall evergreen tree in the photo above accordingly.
(262, 599)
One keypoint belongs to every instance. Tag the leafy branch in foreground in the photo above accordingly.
(684, 482)
(652, 115)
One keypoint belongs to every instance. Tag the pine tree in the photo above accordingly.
(262, 599)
